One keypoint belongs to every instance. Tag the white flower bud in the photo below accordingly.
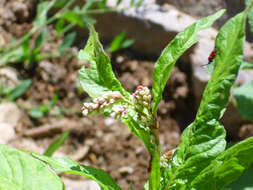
(142, 92)
(111, 101)
(85, 112)
(145, 103)
(138, 97)
(113, 114)
(95, 106)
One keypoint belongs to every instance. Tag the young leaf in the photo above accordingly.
(59, 26)
(173, 51)
(19, 90)
(227, 167)
(119, 42)
(204, 139)
(244, 99)
(41, 38)
(74, 18)
(41, 16)
(19, 171)
(67, 165)
(56, 144)
(40, 111)
(99, 78)
(67, 42)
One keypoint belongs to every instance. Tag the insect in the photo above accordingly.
(211, 57)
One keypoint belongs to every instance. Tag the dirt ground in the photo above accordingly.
(101, 142)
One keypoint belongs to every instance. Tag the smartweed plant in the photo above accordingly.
(201, 161)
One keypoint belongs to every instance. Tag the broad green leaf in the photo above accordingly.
(246, 65)
(41, 38)
(204, 139)
(99, 78)
(173, 51)
(41, 16)
(250, 15)
(19, 171)
(67, 165)
(244, 99)
(67, 42)
(19, 90)
(244, 182)
(227, 167)
(144, 135)
(56, 144)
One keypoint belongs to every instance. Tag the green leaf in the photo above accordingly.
(227, 167)
(19, 90)
(250, 15)
(204, 139)
(173, 51)
(139, 131)
(74, 17)
(41, 38)
(154, 178)
(36, 112)
(41, 111)
(118, 2)
(99, 78)
(244, 99)
(246, 65)
(67, 42)
(119, 42)
(19, 171)
(56, 144)
(244, 182)
(60, 3)
(59, 26)
(41, 16)
(67, 165)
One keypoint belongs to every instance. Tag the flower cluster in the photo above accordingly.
(118, 111)
(142, 96)
(101, 102)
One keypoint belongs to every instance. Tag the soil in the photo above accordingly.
(100, 142)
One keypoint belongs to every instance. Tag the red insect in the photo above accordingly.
(212, 56)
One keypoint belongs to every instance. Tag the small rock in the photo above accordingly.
(126, 169)
(108, 121)
(7, 133)
(10, 114)
(80, 184)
